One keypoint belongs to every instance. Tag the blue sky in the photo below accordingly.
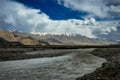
(53, 9)
(91, 18)
(57, 11)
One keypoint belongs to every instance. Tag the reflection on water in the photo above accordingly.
(67, 67)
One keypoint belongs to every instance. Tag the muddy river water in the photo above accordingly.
(65, 67)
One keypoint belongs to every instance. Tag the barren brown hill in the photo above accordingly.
(3, 42)
(9, 37)
(65, 39)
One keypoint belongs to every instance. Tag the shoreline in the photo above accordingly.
(9, 54)
(110, 70)
(66, 67)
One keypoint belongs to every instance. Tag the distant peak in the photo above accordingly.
(55, 34)
(13, 30)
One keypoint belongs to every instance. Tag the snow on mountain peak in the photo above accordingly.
(54, 34)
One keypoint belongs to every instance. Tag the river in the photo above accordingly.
(65, 67)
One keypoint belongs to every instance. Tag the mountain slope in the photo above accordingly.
(65, 39)
(8, 38)
(3, 42)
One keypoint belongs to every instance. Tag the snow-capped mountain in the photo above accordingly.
(54, 34)
(64, 38)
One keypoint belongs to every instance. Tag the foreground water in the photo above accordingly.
(66, 67)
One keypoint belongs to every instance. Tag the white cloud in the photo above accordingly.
(17, 16)
(93, 7)
(115, 8)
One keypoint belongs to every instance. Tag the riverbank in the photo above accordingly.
(21, 53)
(109, 70)
(69, 66)
(29, 52)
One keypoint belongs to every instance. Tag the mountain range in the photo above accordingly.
(10, 38)
(64, 38)
(20, 38)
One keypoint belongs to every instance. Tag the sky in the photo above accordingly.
(91, 18)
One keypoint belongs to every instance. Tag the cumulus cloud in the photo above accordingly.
(110, 30)
(14, 15)
(95, 8)
(19, 16)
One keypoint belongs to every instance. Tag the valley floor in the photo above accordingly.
(68, 64)
(109, 70)
(59, 64)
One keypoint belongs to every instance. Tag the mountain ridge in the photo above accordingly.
(8, 38)
(64, 39)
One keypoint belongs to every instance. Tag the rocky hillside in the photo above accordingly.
(10, 38)
(109, 70)
(3, 42)
(50, 39)
(65, 39)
